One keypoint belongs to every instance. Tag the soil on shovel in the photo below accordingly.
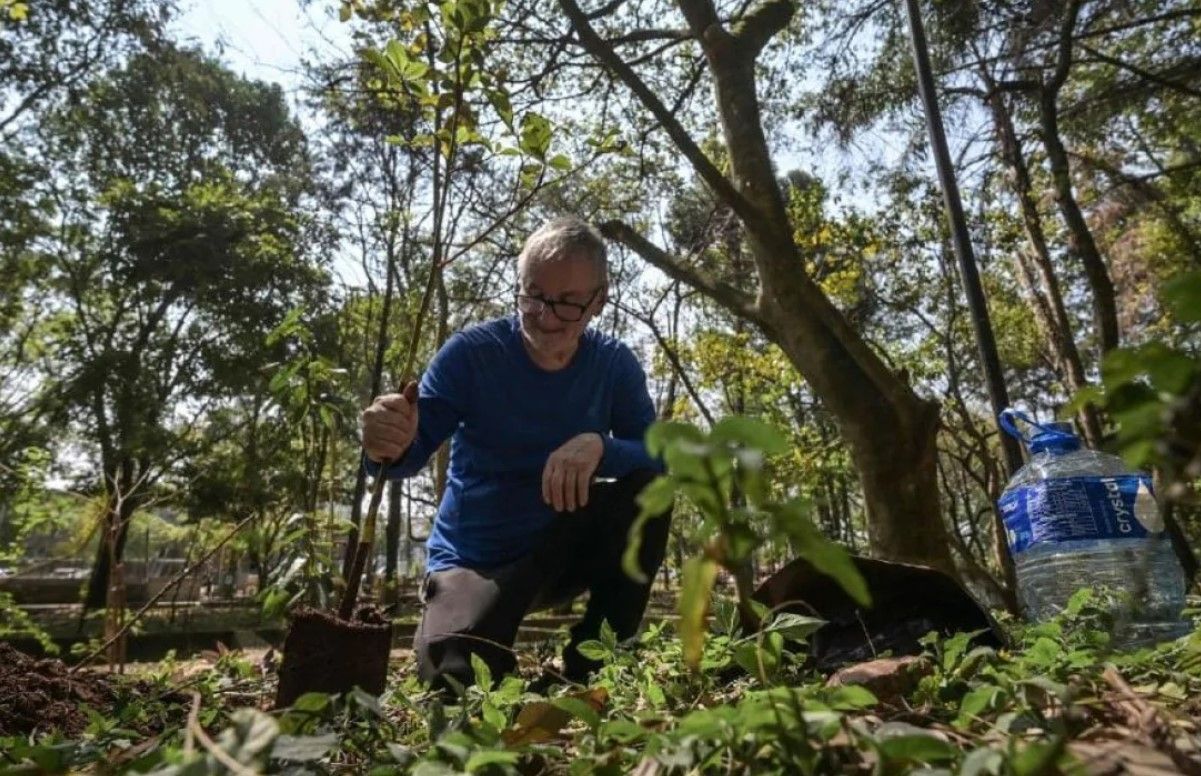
(38, 695)
(323, 653)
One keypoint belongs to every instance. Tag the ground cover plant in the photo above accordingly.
(693, 695)
(1055, 700)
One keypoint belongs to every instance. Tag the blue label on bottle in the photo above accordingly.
(1075, 508)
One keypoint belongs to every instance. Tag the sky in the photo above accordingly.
(265, 39)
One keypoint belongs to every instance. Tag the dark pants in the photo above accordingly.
(475, 611)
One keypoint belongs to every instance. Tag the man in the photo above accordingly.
(538, 406)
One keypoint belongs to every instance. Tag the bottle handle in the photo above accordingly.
(1008, 420)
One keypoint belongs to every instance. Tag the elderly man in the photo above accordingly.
(546, 419)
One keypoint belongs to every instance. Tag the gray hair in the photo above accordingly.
(562, 238)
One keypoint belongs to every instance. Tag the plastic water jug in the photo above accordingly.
(1078, 518)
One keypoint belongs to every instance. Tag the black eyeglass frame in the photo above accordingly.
(577, 308)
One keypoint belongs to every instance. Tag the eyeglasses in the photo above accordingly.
(568, 312)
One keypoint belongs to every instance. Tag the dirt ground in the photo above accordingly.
(39, 695)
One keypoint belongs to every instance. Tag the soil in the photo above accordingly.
(39, 695)
(323, 653)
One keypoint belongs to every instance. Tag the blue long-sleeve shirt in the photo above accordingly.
(507, 415)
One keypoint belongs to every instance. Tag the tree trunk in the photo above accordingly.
(114, 529)
(890, 430)
(377, 382)
(1105, 309)
(1049, 309)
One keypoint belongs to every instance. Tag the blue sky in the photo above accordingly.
(264, 39)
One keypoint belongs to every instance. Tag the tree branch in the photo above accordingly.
(1063, 58)
(701, 163)
(1146, 75)
(724, 294)
(761, 24)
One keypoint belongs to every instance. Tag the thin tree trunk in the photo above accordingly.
(1049, 309)
(1081, 237)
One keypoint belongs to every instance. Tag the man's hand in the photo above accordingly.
(390, 424)
(569, 470)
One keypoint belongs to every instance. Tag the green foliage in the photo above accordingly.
(708, 470)
(1021, 709)
(16, 623)
(1153, 390)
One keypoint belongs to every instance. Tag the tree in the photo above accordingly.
(877, 412)
(49, 53)
(183, 193)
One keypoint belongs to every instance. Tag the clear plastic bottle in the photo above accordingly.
(1080, 518)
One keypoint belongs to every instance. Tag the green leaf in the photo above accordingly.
(826, 556)
(751, 433)
(917, 748)
(1172, 372)
(1043, 653)
(366, 700)
(982, 762)
(746, 655)
(851, 697)
(976, 702)
(594, 650)
(654, 500)
(1182, 295)
(503, 107)
(492, 715)
(1038, 758)
(579, 709)
(657, 497)
(794, 626)
(345, 12)
(250, 735)
(623, 731)
(312, 703)
(607, 636)
(480, 760)
(483, 674)
(666, 432)
(696, 583)
(560, 162)
(535, 134)
(303, 748)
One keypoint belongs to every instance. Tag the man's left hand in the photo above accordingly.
(568, 472)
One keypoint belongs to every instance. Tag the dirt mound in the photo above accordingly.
(39, 695)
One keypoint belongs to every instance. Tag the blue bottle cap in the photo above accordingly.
(1055, 438)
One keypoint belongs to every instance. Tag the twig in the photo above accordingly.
(1148, 722)
(159, 595)
(219, 754)
(189, 741)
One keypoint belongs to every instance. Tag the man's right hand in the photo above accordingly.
(390, 424)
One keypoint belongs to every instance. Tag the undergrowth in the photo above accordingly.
(1056, 700)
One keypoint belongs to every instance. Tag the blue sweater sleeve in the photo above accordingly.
(633, 413)
(442, 401)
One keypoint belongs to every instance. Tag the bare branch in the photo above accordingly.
(704, 166)
(761, 24)
(723, 293)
